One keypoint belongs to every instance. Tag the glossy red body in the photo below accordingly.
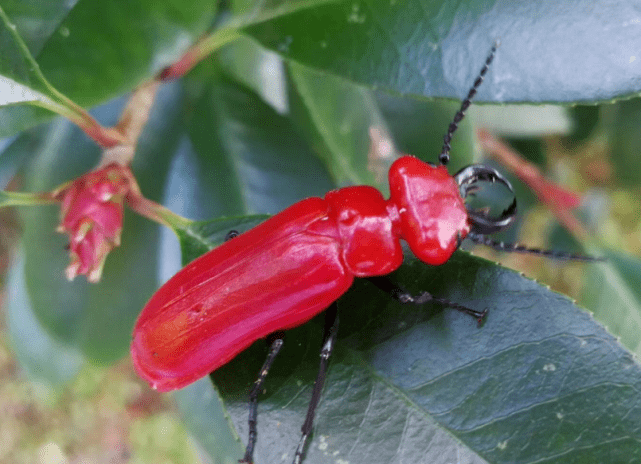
(291, 267)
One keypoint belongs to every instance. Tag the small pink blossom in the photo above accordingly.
(92, 216)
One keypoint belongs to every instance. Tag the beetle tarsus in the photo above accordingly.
(481, 319)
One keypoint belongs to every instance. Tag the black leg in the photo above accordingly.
(403, 296)
(331, 329)
(253, 399)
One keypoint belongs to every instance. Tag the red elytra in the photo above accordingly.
(291, 267)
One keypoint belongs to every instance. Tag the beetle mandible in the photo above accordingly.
(222, 302)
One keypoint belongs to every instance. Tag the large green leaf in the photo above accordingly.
(541, 381)
(621, 122)
(37, 20)
(257, 161)
(203, 413)
(549, 52)
(17, 64)
(613, 293)
(11, 160)
(48, 362)
(92, 64)
(419, 127)
(347, 124)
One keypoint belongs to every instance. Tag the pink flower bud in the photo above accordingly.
(92, 215)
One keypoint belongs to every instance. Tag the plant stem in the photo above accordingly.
(158, 213)
(198, 52)
(25, 199)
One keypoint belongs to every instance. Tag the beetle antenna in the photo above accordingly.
(444, 157)
(514, 248)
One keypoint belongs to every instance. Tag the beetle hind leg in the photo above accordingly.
(274, 348)
(331, 330)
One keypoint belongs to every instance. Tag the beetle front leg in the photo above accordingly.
(253, 399)
(403, 296)
(331, 330)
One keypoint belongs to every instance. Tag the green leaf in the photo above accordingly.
(419, 127)
(613, 292)
(349, 128)
(621, 121)
(261, 70)
(339, 118)
(17, 65)
(37, 20)
(540, 379)
(46, 360)
(92, 64)
(21, 80)
(202, 236)
(436, 48)
(203, 413)
(135, 40)
(348, 124)
(257, 160)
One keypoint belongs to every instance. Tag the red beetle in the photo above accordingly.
(291, 267)
(296, 264)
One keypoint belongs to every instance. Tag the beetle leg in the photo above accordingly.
(253, 398)
(403, 296)
(331, 329)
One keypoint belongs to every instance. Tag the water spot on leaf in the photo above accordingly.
(355, 16)
(284, 45)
